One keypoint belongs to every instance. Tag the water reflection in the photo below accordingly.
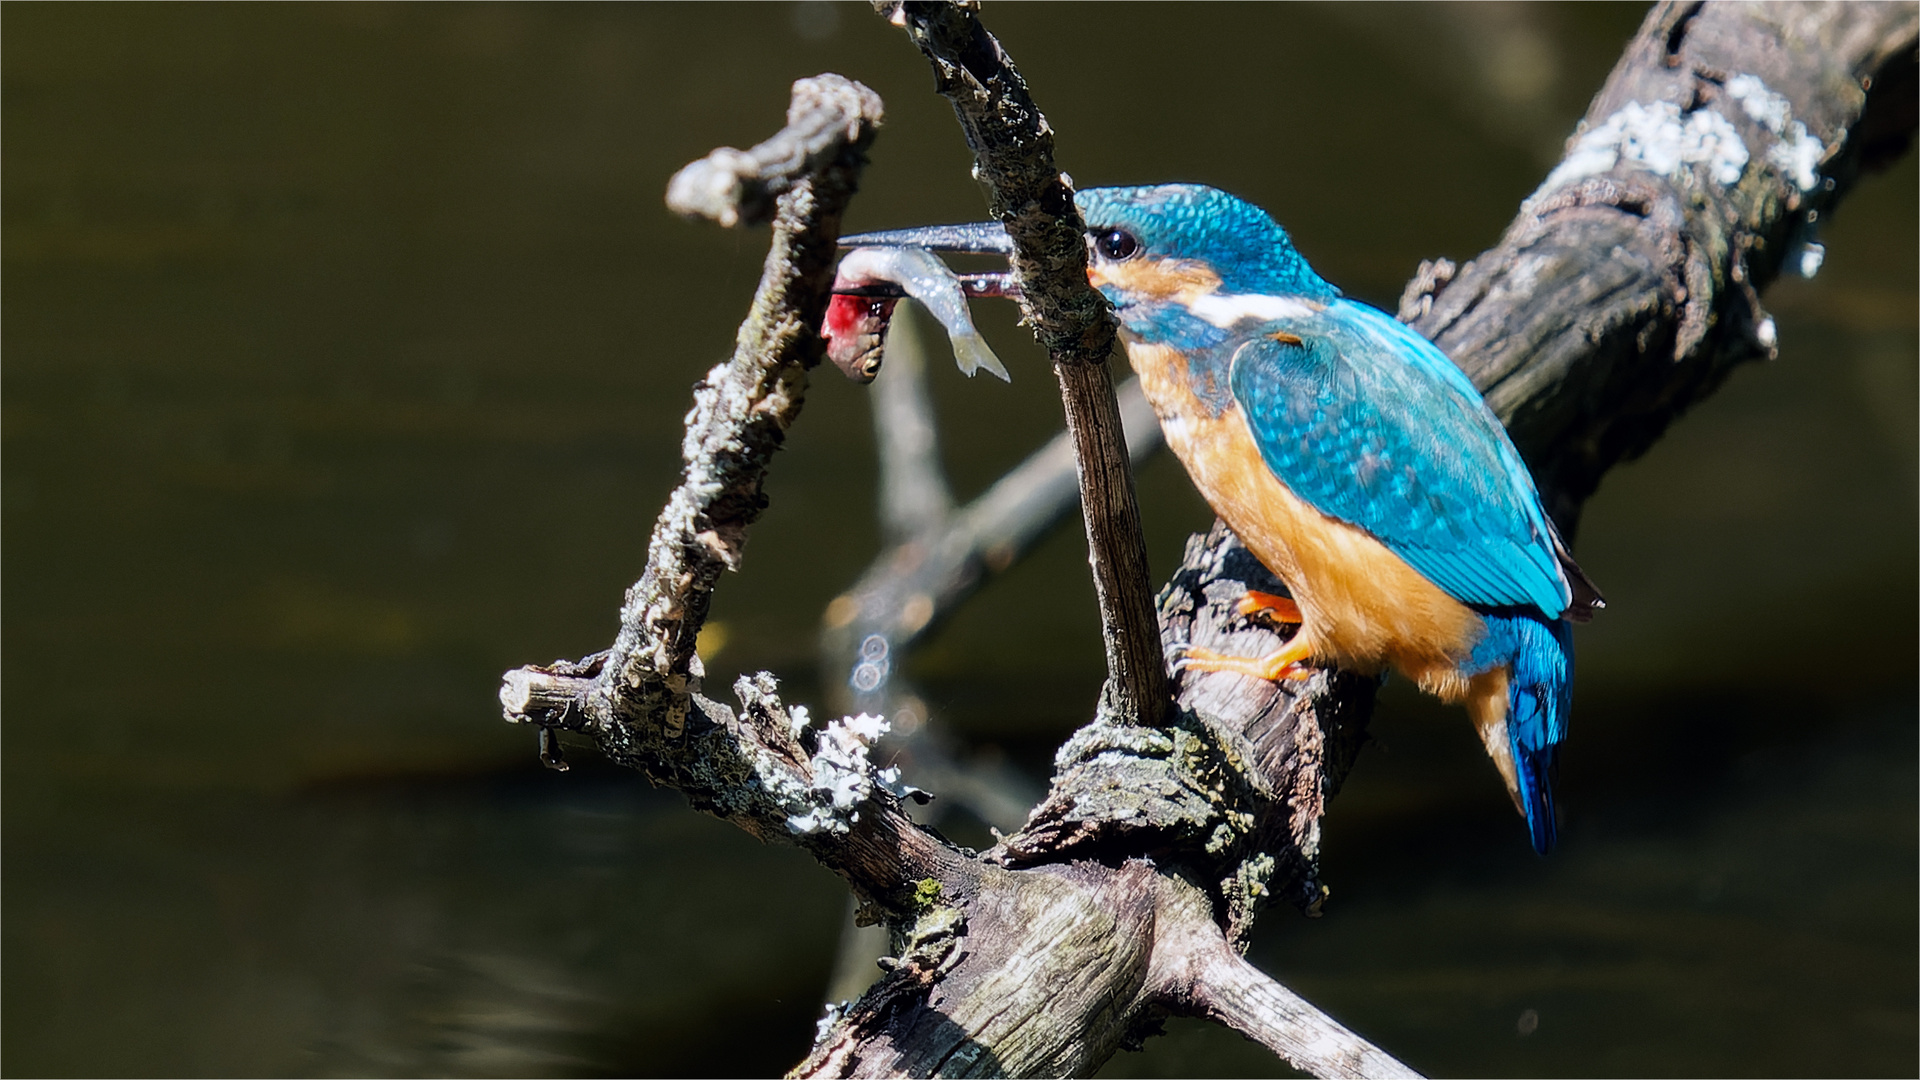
(529, 924)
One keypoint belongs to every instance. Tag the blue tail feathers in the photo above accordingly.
(1539, 658)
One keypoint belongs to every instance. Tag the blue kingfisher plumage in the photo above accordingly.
(1351, 457)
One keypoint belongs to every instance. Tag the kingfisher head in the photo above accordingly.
(1153, 241)
(1182, 263)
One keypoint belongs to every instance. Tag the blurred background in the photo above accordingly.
(345, 353)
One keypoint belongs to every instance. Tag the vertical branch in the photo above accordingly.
(914, 496)
(1013, 158)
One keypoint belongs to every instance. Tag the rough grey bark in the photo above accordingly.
(1065, 941)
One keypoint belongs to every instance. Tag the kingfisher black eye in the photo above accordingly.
(1117, 244)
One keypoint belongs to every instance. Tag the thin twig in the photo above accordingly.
(914, 495)
(1026, 192)
(702, 529)
(912, 586)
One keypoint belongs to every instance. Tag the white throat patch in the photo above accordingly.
(1224, 310)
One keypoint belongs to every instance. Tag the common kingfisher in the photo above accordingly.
(1352, 458)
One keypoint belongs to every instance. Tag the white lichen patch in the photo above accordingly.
(1797, 154)
(829, 1016)
(889, 778)
(1811, 255)
(1771, 109)
(1657, 138)
(842, 775)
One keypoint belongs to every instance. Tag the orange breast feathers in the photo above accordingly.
(1363, 608)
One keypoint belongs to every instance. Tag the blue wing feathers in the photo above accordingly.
(1371, 424)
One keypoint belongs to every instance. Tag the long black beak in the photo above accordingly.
(980, 238)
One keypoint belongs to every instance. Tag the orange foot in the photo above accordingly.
(1269, 606)
(1283, 663)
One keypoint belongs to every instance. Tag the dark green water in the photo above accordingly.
(345, 349)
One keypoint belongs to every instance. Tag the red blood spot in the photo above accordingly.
(851, 315)
(856, 328)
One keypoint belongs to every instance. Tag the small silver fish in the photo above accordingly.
(854, 322)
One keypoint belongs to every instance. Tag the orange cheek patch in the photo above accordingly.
(1156, 279)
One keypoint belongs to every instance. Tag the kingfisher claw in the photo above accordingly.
(1283, 663)
(1269, 606)
(1178, 650)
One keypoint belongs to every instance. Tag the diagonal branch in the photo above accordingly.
(1628, 286)
(1198, 973)
(914, 584)
(1233, 992)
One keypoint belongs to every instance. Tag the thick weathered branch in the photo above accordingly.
(1013, 160)
(1628, 286)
